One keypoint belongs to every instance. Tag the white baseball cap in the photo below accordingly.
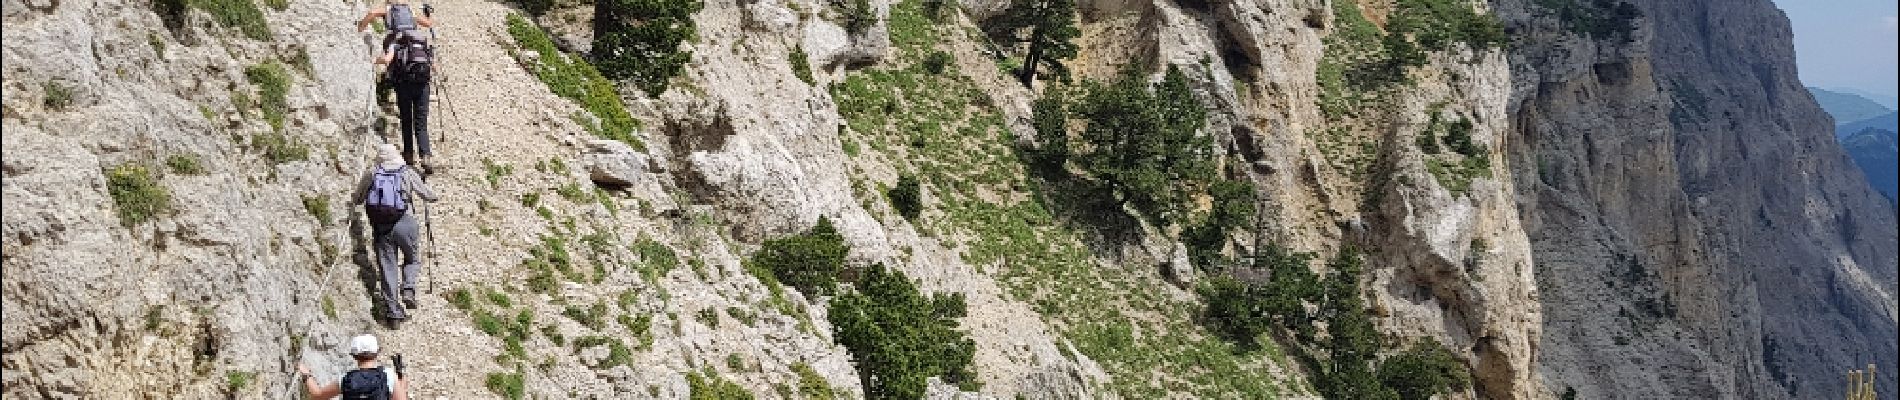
(365, 344)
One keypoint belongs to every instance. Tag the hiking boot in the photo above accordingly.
(409, 298)
(423, 163)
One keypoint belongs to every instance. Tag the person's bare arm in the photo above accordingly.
(402, 389)
(425, 21)
(370, 17)
(317, 392)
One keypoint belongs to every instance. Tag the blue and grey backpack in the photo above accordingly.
(385, 204)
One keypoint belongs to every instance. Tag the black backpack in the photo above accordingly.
(413, 59)
(366, 384)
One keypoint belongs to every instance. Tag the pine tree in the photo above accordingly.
(1051, 32)
(638, 40)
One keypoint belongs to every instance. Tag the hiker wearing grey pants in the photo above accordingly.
(399, 280)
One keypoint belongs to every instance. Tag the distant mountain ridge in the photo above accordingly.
(1885, 100)
(1877, 152)
(1889, 121)
(1848, 107)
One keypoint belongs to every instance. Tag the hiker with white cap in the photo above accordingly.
(369, 380)
(386, 191)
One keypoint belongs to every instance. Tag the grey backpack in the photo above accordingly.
(400, 18)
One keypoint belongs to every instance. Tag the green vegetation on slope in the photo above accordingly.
(273, 85)
(1598, 19)
(957, 146)
(575, 79)
(1294, 302)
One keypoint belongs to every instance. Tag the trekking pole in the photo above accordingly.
(428, 228)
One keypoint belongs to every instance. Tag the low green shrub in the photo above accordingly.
(58, 96)
(617, 352)
(241, 14)
(185, 164)
(801, 64)
(273, 84)
(904, 197)
(712, 387)
(461, 299)
(509, 386)
(238, 380)
(936, 62)
(812, 385)
(1424, 370)
(137, 194)
(319, 207)
(809, 262)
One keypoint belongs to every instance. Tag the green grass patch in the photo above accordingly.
(58, 96)
(509, 386)
(495, 172)
(185, 164)
(1457, 175)
(137, 194)
(811, 385)
(273, 85)
(498, 298)
(238, 380)
(575, 79)
(801, 64)
(656, 258)
(711, 386)
(617, 352)
(461, 299)
(318, 206)
(573, 193)
(593, 317)
(240, 14)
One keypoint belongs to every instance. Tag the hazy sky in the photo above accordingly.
(1846, 43)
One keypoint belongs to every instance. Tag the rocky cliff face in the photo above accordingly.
(1662, 216)
(1696, 233)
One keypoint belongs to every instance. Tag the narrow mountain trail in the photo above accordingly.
(485, 107)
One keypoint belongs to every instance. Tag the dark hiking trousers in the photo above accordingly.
(412, 108)
(397, 278)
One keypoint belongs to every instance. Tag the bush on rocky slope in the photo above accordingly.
(900, 337)
(137, 194)
(810, 261)
(638, 41)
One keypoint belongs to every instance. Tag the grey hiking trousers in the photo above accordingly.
(398, 278)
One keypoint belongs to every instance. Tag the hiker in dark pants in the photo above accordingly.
(411, 61)
(385, 192)
(412, 109)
